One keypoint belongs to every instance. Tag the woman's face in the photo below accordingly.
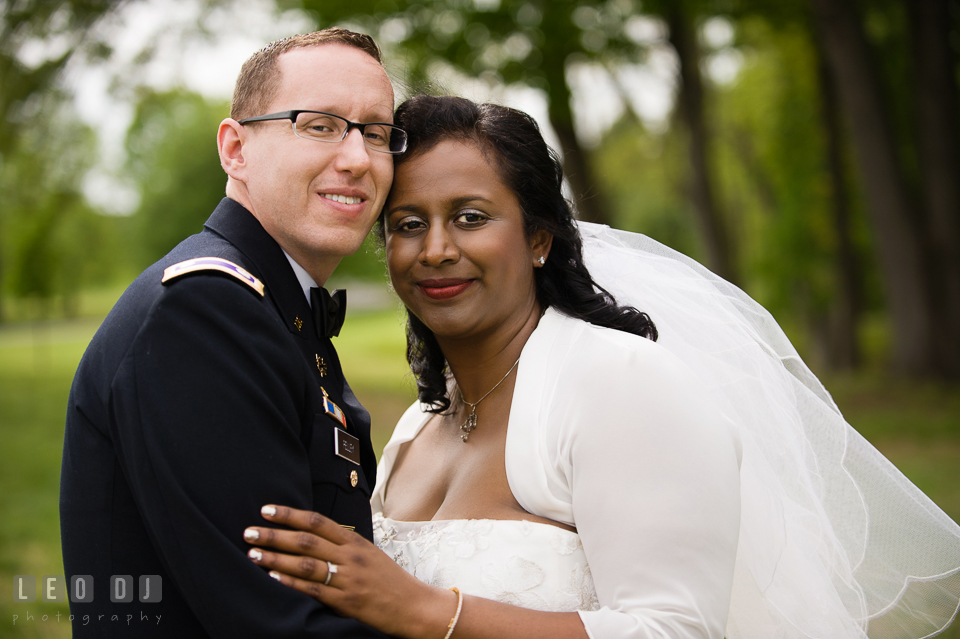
(456, 249)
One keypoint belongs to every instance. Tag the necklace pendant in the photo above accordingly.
(468, 425)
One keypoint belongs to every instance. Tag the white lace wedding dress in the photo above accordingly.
(523, 563)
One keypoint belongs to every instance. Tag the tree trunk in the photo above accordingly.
(690, 100)
(590, 200)
(895, 219)
(843, 352)
(937, 149)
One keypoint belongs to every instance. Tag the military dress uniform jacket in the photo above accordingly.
(197, 402)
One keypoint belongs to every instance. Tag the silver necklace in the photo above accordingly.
(471, 422)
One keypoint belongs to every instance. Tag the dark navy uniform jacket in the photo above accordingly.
(197, 402)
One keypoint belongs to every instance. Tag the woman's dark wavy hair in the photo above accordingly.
(512, 141)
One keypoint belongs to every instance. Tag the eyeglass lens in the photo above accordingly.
(330, 128)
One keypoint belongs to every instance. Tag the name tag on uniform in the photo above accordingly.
(346, 445)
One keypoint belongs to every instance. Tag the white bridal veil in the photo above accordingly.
(834, 541)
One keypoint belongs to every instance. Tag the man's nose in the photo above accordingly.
(352, 154)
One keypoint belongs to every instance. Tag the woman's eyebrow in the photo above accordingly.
(466, 199)
(409, 208)
(455, 202)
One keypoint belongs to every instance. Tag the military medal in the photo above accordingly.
(332, 409)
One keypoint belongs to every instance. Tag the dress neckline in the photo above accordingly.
(440, 522)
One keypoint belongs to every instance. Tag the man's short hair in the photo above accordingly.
(259, 77)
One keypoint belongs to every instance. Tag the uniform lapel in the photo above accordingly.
(267, 262)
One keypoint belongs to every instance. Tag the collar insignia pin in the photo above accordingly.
(298, 322)
(321, 366)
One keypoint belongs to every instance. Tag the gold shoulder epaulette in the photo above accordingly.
(212, 264)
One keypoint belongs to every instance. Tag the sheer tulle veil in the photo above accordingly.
(834, 541)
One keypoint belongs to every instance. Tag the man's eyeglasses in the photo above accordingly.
(327, 127)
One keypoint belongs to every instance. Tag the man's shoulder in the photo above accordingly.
(148, 293)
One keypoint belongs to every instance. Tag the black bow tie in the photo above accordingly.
(328, 310)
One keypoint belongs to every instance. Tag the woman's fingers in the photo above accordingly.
(295, 565)
(307, 521)
(316, 590)
(292, 541)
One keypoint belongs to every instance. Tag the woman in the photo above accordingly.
(623, 457)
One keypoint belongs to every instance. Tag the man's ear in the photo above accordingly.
(540, 243)
(230, 139)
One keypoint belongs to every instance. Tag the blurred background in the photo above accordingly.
(807, 150)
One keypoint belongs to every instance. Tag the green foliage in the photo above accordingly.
(770, 171)
(172, 152)
(366, 264)
(775, 172)
(65, 27)
(503, 40)
(51, 242)
(643, 173)
(774, 160)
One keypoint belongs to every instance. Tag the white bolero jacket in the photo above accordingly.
(612, 434)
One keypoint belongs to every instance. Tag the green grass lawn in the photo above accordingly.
(917, 425)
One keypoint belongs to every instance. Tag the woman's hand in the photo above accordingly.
(365, 583)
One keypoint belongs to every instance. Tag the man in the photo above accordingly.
(210, 390)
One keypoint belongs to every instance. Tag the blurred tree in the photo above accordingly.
(682, 17)
(643, 173)
(513, 41)
(172, 152)
(782, 178)
(911, 261)
(843, 351)
(48, 34)
(938, 150)
(52, 242)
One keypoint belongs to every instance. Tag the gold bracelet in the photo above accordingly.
(456, 617)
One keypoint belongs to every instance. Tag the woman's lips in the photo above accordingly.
(443, 289)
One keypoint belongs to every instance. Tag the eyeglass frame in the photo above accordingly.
(361, 126)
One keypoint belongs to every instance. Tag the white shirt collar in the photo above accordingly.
(306, 282)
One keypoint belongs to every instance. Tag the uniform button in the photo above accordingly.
(354, 478)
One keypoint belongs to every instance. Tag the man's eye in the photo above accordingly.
(319, 127)
(376, 137)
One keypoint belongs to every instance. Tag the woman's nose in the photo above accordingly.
(438, 247)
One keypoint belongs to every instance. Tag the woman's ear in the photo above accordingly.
(540, 243)
(230, 139)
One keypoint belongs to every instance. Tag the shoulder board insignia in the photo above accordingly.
(212, 264)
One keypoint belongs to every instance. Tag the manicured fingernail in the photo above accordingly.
(274, 574)
(255, 554)
(269, 511)
(251, 534)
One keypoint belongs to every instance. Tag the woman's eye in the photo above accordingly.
(471, 218)
(409, 225)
